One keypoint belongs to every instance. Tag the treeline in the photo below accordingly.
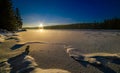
(10, 18)
(106, 24)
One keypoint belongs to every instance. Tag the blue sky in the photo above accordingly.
(51, 12)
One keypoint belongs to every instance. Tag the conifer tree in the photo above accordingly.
(7, 16)
(18, 18)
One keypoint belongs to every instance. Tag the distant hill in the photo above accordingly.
(106, 24)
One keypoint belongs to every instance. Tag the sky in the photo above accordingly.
(53, 12)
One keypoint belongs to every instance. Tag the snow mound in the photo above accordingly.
(7, 35)
(94, 58)
(2, 38)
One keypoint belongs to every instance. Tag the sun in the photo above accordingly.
(41, 26)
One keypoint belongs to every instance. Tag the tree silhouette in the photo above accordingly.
(7, 16)
(18, 18)
(113, 23)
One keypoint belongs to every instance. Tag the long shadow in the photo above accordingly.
(16, 46)
(115, 60)
(17, 63)
(101, 67)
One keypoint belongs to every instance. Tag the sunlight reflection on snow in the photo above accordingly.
(40, 30)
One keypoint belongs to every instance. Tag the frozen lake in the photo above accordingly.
(84, 40)
(54, 56)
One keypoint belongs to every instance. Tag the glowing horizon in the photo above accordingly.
(41, 25)
(51, 12)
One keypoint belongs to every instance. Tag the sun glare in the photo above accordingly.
(41, 26)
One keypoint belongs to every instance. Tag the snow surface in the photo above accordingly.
(6, 35)
(86, 41)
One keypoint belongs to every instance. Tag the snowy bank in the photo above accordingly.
(2, 38)
(7, 35)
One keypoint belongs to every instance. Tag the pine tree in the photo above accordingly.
(18, 18)
(7, 16)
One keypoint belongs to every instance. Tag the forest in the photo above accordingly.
(10, 18)
(113, 23)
